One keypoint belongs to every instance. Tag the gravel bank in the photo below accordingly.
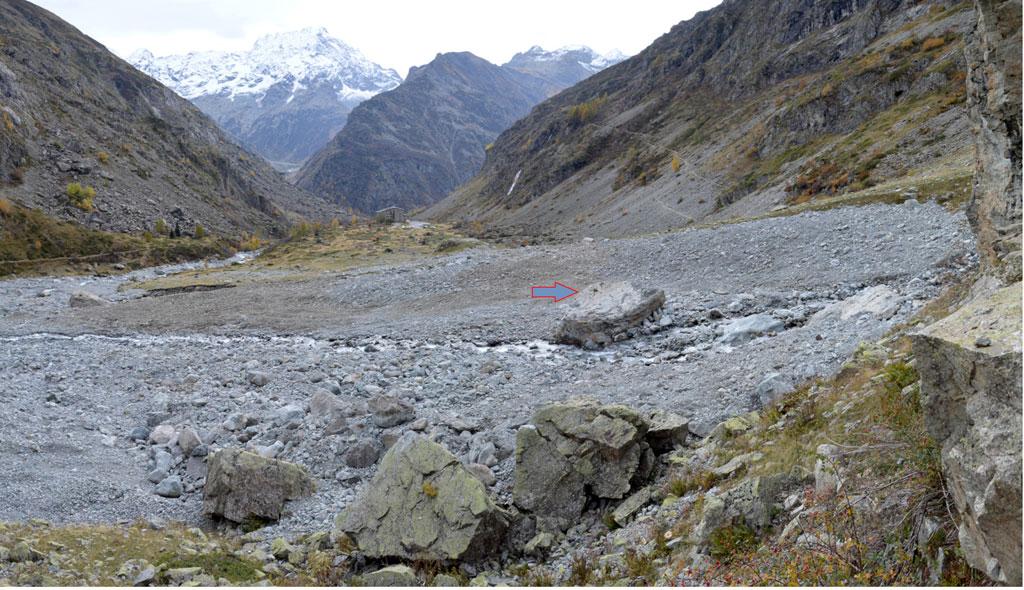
(457, 337)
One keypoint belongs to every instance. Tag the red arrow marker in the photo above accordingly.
(556, 292)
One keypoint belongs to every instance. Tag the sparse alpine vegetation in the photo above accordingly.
(708, 125)
(85, 137)
(33, 243)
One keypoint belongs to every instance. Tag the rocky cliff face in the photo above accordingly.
(970, 362)
(411, 146)
(994, 85)
(85, 136)
(285, 98)
(731, 114)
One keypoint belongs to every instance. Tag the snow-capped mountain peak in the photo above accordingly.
(284, 98)
(581, 54)
(301, 57)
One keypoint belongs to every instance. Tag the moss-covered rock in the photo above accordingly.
(243, 486)
(576, 448)
(424, 504)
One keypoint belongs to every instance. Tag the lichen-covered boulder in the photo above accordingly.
(392, 576)
(666, 431)
(241, 486)
(970, 366)
(423, 504)
(609, 312)
(576, 448)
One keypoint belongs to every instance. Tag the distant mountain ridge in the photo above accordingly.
(284, 98)
(411, 146)
(564, 66)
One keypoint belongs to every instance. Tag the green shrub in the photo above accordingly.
(586, 111)
(640, 566)
(80, 196)
(731, 540)
(200, 232)
(581, 571)
(249, 242)
(160, 227)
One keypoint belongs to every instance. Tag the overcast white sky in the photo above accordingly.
(394, 33)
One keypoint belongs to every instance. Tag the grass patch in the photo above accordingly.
(217, 564)
(537, 577)
(316, 249)
(730, 540)
(34, 243)
(93, 555)
(681, 485)
(640, 566)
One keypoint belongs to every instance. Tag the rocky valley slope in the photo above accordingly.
(86, 137)
(731, 114)
(284, 99)
(411, 146)
(828, 397)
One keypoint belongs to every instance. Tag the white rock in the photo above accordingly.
(162, 435)
(745, 329)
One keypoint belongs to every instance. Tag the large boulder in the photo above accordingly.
(666, 431)
(424, 505)
(608, 312)
(388, 411)
(880, 301)
(242, 486)
(576, 448)
(970, 366)
(86, 299)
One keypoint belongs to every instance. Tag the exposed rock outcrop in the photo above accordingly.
(970, 362)
(994, 95)
(423, 504)
(970, 366)
(609, 312)
(580, 449)
(241, 486)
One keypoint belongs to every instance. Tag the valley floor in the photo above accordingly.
(455, 334)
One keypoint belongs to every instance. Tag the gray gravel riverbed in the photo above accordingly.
(457, 337)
